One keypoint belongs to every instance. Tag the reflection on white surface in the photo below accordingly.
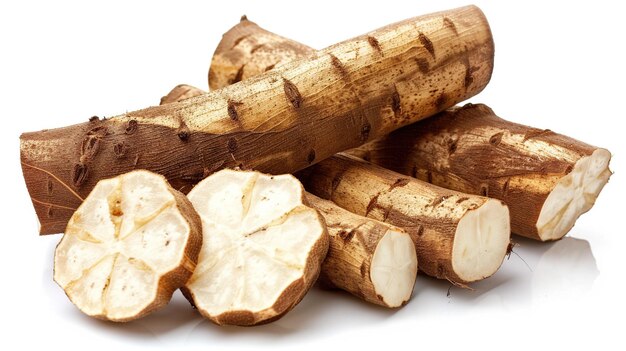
(566, 271)
(536, 273)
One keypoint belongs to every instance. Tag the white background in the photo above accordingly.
(557, 66)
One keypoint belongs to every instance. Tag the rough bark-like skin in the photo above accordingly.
(472, 150)
(429, 214)
(280, 122)
(248, 50)
(181, 92)
(353, 241)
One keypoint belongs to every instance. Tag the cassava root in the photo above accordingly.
(287, 119)
(548, 180)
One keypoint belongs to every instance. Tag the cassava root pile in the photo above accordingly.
(285, 120)
(548, 180)
(128, 247)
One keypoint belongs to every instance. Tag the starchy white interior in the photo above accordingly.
(574, 195)
(257, 238)
(394, 268)
(481, 240)
(125, 236)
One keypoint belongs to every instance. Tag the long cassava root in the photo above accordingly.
(285, 120)
(548, 180)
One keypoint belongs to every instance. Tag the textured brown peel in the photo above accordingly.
(275, 127)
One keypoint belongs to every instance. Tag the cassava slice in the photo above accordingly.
(367, 258)
(128, 247)
(263, 247)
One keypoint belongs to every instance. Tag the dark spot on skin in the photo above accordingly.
(239, 40)
(232, 145)
(428, 45)
(238, 76)
(120, 150)
(49, 186)
(374, 44)
(365, 131)
(292, 93)
(363, 269)
(452, 143)
(256, 47)
(50, 212)
(469, 78)
(441, 101)
(461, 199)
(79, 174)
(400, 182)
(449, 24)
(423, 65)
(533, 133)
(484, 190)
(339, 66)
(269, 67)
(131, 127)
(496, 139)
(94, 119)
(395, 102)
(438, 200)
(232, 110)
(346, 235)
(311, 156)
(371, 204)
(505, 187)
(420, 231)
(569, 169)
(167, 243)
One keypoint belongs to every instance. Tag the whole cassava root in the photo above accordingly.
(128, 247)
(547, 180)
(458, 237)
(286, 119)
(370, 259)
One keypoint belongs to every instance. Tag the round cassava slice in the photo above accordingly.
(128, 247)
(262, 249)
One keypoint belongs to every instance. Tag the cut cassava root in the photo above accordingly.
(262, 250)
(288, 118)
(370, 259)
(548, 180)
(367, 258)
(128, 247)
(459, 237)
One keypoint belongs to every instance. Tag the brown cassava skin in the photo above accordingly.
(353, 241)
(429, 214)
(445, 149)
(472, 150)
(282, 121)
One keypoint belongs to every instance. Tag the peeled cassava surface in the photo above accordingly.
(128, 247)
(262, 250)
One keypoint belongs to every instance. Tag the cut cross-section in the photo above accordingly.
(128, 247)
(262, 247)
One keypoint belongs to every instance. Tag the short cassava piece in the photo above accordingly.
(262, 250)
(128, 247)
